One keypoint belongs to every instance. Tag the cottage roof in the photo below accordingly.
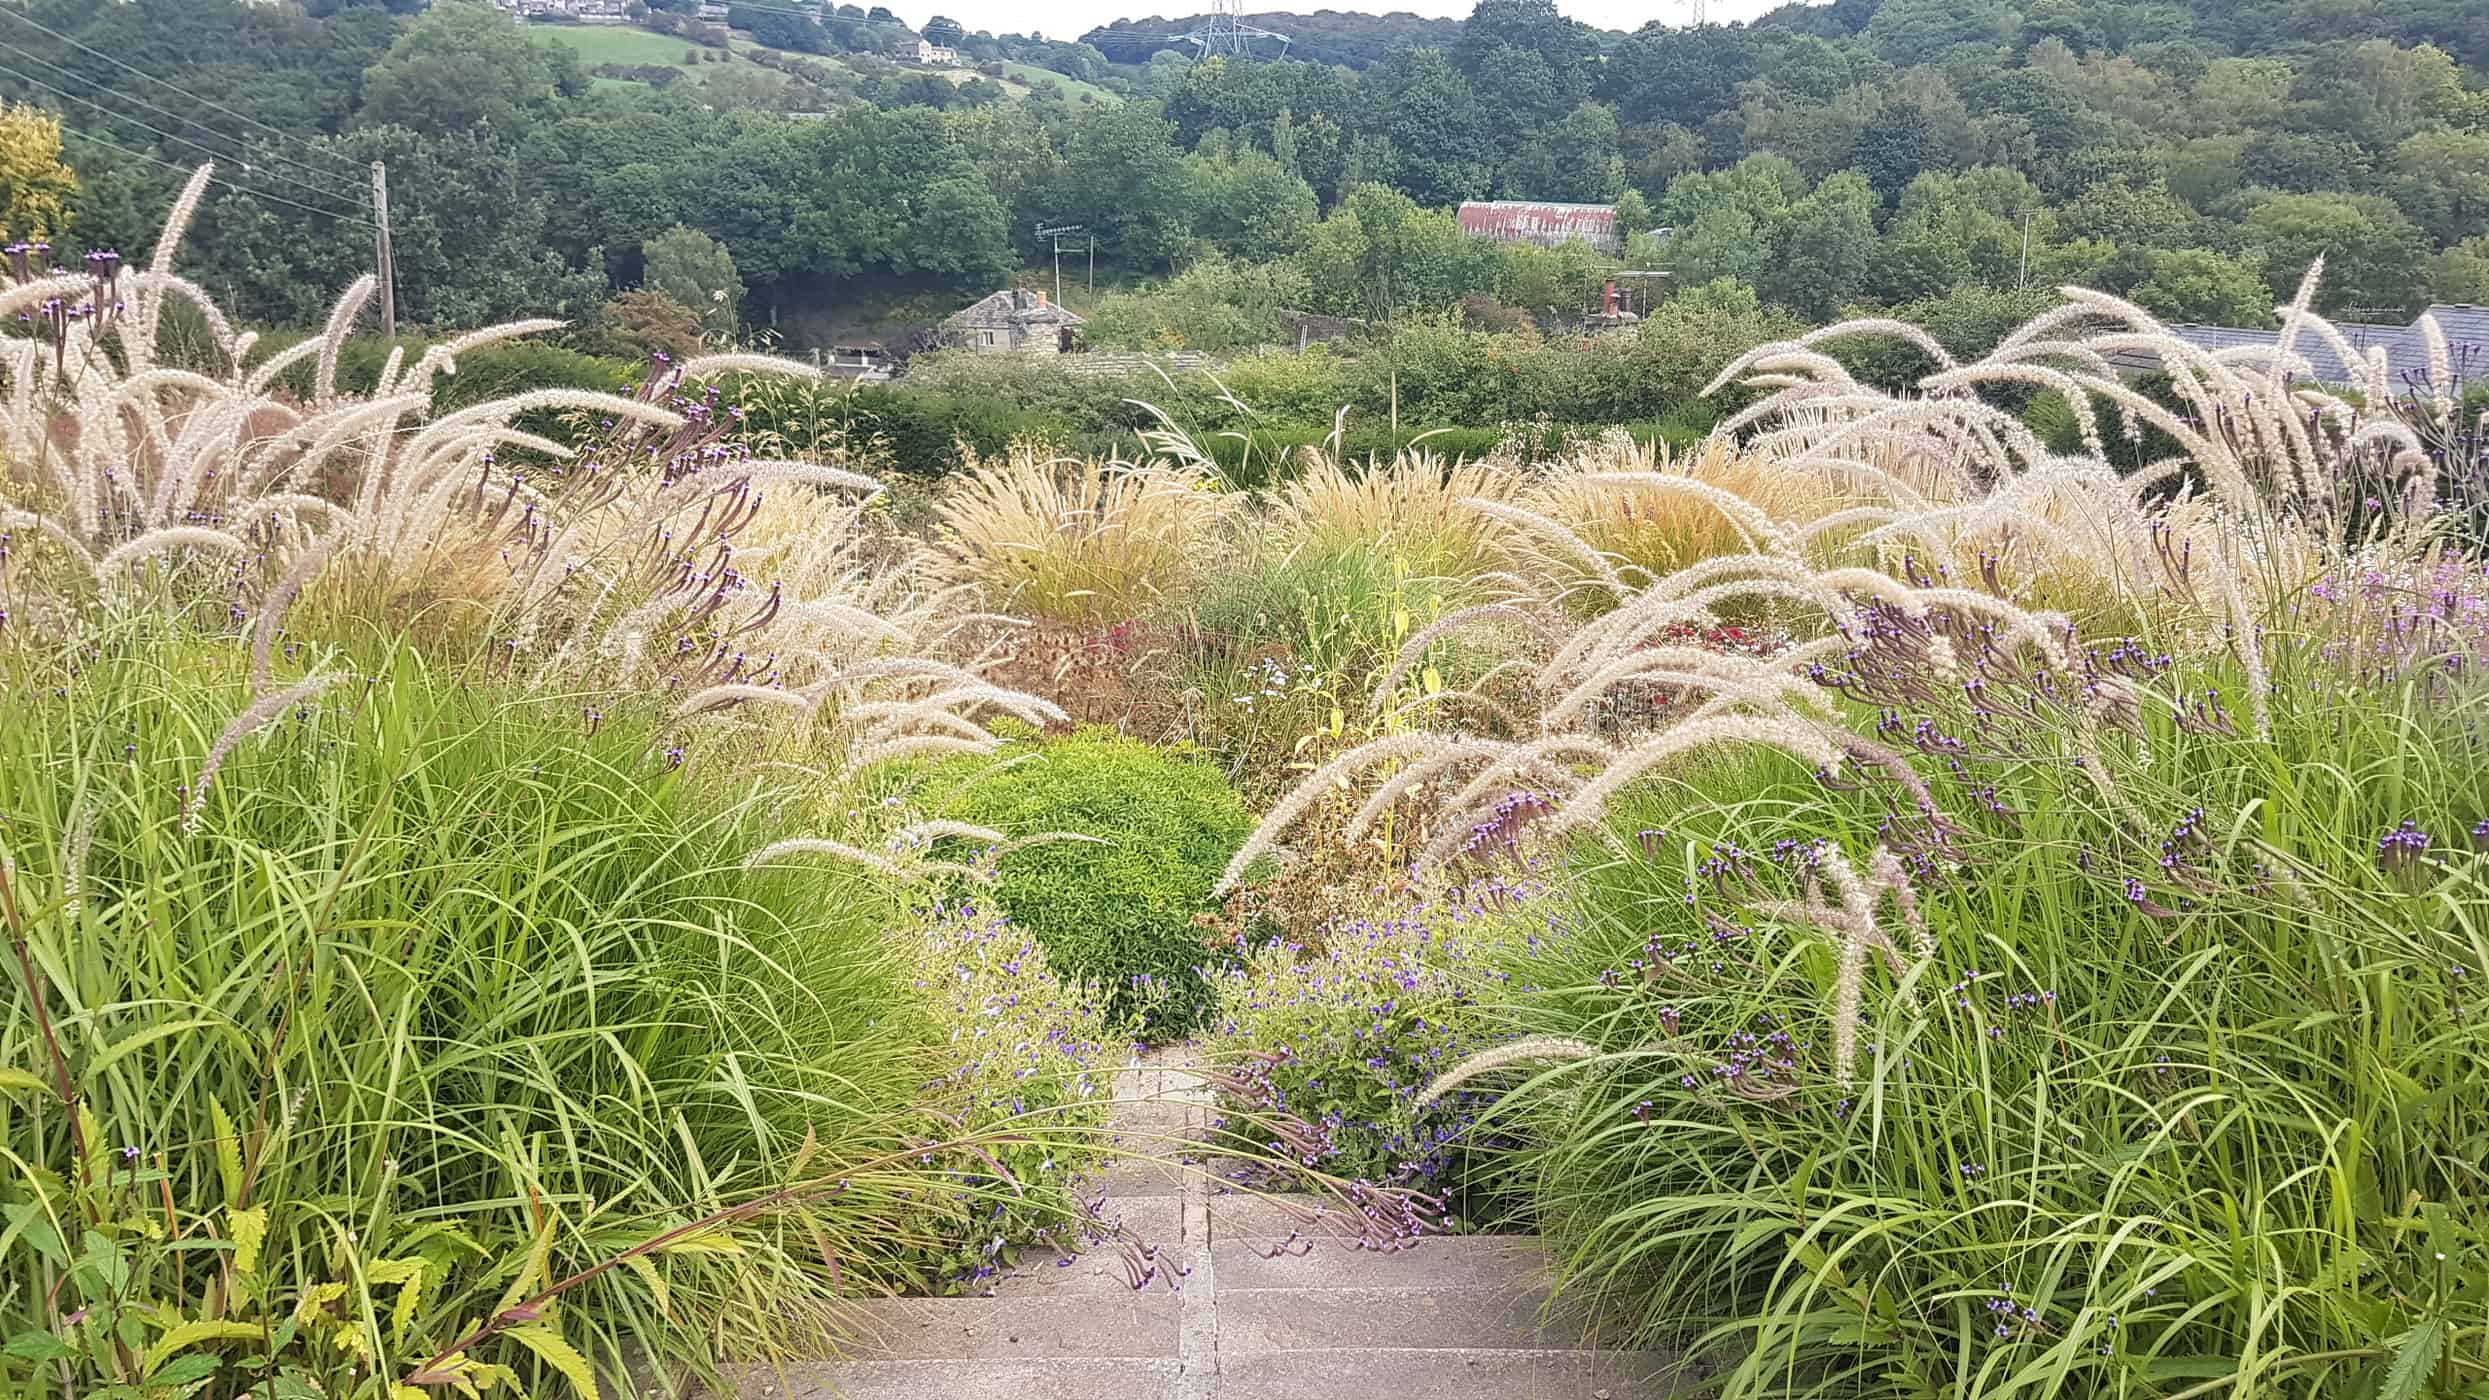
(2405, 347)
(1544, 222)
(1008, 308)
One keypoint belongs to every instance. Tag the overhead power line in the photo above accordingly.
(167, 83)
(212, 152)
(349, 192)
(239, 188)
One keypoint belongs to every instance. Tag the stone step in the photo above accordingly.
(1411, 1317)
(1089, 1378)
(1130, 1325)
(1444, 1374)
(1247, 1262)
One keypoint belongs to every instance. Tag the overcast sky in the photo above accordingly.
(1069, 19)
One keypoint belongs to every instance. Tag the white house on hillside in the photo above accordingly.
(930, 52)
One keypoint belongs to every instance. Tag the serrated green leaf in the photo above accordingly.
(190, 1334)
(22, 1079)
(380, 1273)
(559, 1354)
(539, 1258)
(408, 1275)
(228, 1152)
(316, 1297)
(2442, 1241)
(2415, 1357)
(250, 1230)
(649, 1274)
(186, 1370)
(37, 1346)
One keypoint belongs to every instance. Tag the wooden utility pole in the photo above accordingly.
(384, 259)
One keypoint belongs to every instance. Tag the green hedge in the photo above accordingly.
(487, 372)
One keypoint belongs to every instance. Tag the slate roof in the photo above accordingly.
(1009, 308)
(2406, 349)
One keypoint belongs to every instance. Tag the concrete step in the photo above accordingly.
(1098, 1272)
(1246, 1263)
(1444, 1374)
(1157, 1220)
(1085, 1379)
(1239, 1212)
(1136, 1326)
(1411, 1317)
(1159, 1171)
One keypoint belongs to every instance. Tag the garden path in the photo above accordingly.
(1249, 1316)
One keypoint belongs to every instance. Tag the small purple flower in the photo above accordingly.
(2480, 836)
(2400, 853)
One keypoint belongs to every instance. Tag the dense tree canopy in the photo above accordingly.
(2198, 155)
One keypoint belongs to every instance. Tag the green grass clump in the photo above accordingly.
(1116, 911)
(447, 997)
(2185, 1101)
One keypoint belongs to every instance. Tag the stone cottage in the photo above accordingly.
(1014, 322)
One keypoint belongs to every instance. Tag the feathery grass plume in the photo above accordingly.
(1536, 525)
(1413, 651)
(1081, 542)
(177, 537)
(2241, 424)
(1646, 513)
(1410, 509)
(910, 870)
(264, 627)
(1538, 1050)
(250, 721)
(631, 556)
(738, 362)
(75, 846)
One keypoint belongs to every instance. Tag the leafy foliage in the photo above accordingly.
(448, 997)
(1830, 156)
(1117, 912)
(693, 270)
(36, 189)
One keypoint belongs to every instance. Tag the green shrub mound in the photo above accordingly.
(1117, 911)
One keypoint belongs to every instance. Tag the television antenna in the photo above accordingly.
(1055, 232)
(1226, 32)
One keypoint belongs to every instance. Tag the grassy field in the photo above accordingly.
(1030, 75)
(597, 44)
(617, 44)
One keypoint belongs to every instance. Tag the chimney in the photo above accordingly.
(1041, 299)
(1611, 296)
(1019, 299)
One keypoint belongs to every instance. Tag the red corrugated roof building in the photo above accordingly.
(1546, 224)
